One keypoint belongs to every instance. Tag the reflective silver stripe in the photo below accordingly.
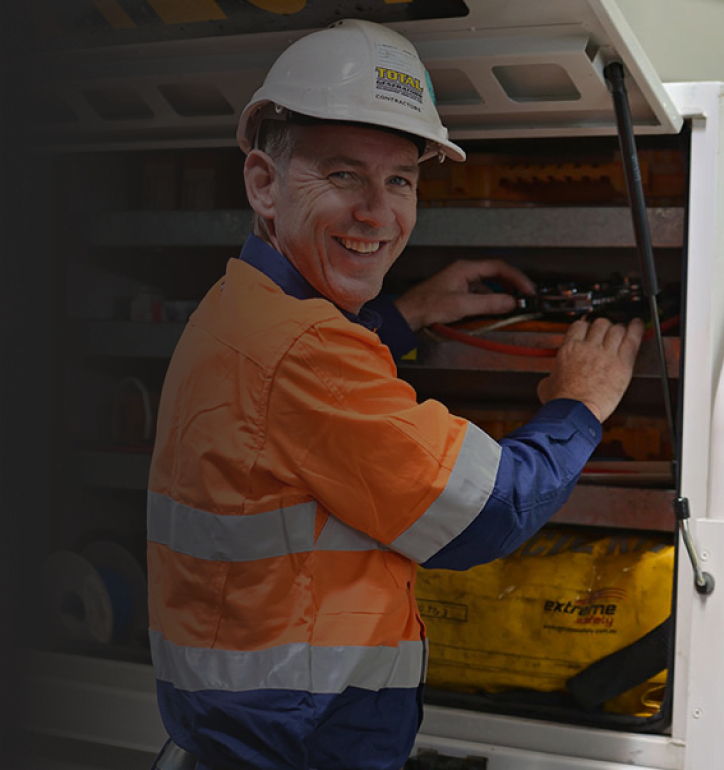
(465, 494)
(288, 667)
(425, 657)
(338, 536)
(207, 535)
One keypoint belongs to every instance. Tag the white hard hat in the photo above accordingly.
(357, 72)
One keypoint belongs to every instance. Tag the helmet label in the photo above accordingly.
(393, 81)
(400, 83)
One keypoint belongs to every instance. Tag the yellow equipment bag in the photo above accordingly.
(533, 620)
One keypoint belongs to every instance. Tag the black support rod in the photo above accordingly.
(614, 75)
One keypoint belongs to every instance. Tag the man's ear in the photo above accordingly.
(259, 178)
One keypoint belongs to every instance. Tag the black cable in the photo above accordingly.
(615, 78)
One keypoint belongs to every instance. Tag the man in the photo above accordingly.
(296, 482)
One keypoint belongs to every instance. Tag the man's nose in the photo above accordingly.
(374, 206)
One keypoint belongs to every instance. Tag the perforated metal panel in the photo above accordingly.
(513, 68)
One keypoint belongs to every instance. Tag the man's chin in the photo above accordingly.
(353, 301)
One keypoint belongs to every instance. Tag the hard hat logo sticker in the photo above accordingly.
(399, 83)
(430, 89)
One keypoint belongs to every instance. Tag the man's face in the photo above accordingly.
(344, 209)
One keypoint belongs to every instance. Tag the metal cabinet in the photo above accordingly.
(520, 72)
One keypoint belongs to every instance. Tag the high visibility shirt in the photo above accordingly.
(295, 485)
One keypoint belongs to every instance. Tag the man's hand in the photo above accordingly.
(458, 291)
(594, 365)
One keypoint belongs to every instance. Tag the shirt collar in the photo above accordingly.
(278, 268)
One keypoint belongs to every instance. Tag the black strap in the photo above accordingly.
(615, 674)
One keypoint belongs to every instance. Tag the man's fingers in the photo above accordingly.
(596, 365)
(598, 330)
(475, 270)
(493, 304)
(631, 341)
(577, 330)
(635, 330)
(513, 277)
(614, 336)
(470, 304)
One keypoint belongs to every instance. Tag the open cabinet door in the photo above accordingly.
(527, 69)
(500, 69)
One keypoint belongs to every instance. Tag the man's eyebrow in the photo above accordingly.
(345, 160)
(413, 169)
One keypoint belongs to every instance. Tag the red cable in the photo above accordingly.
(669, 323)
(498, 347)
(521, 350)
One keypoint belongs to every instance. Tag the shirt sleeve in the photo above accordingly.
(394, 330)
(343, 429)
(539, 465)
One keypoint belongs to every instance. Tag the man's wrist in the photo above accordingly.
(591, 406)
(407, 311)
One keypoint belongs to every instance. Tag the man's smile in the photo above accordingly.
(360, 247)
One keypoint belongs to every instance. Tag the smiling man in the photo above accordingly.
(341, 208)
(296, 483)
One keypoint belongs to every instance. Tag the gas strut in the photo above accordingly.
(614, 74)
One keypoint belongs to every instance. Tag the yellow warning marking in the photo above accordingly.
(114, 14)
(184, 11)
(280, 6)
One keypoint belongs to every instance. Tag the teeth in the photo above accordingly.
(363, 247)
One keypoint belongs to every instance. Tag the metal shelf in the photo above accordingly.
(453, 355)
(546, 227)
(621, 507)
(158, 340)
(91, 699)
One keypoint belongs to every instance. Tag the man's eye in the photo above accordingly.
(400, 181)
(341, 175)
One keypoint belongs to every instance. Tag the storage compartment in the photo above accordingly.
(137, 265)
(579, 243)
(149, 205)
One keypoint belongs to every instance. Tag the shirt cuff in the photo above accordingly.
(577, 412)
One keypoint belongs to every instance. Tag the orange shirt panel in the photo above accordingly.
(356, 439)
(272, 401)
(359, 598)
